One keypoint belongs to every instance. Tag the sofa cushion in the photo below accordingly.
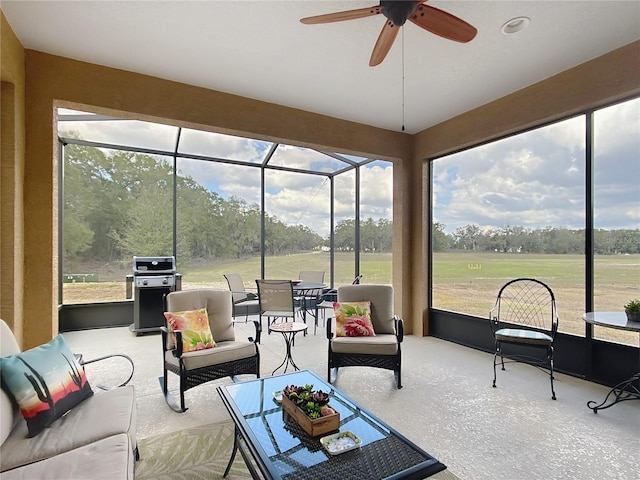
(8, 408)
(46, 382)
(105, 414)
(107, 459)
(8, 415)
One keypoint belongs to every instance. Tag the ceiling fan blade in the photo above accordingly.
(384, 42)
(342, 16)
(443, 24)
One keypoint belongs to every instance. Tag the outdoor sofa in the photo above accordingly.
(95, 439)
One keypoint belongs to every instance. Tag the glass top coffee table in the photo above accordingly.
(273, 445)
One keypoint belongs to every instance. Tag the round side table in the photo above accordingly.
(288, 331)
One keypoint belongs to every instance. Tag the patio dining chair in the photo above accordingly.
(310, 297)
(329, 296)
(523, 318)
(240, 297)
(276, 301)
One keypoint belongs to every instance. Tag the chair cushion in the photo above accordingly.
(385, 344)
(353, 319)
(224, 352)
(523, 336)
(219, 307)
(280, 313)
(194, 325)
(381, 298)
(46, 382)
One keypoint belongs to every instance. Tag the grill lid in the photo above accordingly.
(154, 265)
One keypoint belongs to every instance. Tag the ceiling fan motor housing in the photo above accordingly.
(398, 11)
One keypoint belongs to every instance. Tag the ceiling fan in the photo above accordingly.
(398, 12)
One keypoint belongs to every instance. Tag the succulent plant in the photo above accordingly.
(313, 403)
(320, 397)
(289, 389)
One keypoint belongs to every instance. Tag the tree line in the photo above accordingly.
(118, 204)
(516, 239)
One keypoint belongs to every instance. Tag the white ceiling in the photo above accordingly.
(259, 49)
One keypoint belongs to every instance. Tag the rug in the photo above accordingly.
(193, 454)
(199, 453)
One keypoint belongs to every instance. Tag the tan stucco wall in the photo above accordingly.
(12, 148)
(56, 81)
(41, 82)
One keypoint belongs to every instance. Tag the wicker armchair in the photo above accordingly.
(227, 359)
(381, 351)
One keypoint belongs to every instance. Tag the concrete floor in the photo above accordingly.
(447, 405)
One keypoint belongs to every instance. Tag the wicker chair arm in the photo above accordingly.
(165, 333)
(329, 332)
(258, 328)
(177, 350)
(399, 325)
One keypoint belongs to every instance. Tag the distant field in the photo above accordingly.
(469, 282)
(375, 267)
(463, 282)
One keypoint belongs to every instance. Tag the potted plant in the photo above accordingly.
(310, 409)
(632, 309)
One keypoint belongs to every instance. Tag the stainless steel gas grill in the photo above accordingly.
(153, 277)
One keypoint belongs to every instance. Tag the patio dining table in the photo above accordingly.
(308, 292)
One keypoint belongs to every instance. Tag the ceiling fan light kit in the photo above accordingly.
(397, 13)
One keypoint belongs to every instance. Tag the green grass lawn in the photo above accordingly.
(376, 268)
(469, 283)
(462, 282)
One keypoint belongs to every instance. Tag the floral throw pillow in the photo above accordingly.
(353, 319)
(194, 325)
(46, 382)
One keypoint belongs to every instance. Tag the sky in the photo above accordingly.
(535, 179)
(293, 198)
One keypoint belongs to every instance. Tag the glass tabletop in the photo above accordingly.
(283, 450)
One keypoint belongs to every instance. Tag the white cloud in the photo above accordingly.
(537, 179)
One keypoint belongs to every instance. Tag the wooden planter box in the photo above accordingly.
(316, 427)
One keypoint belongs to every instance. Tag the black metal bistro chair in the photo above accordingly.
(526, 317)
